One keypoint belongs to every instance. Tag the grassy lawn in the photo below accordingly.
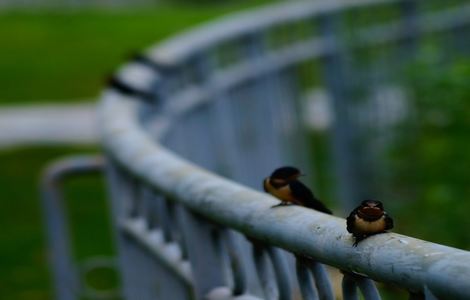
(57, 56)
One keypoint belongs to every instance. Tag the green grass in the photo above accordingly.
(24, 270)
(57, 56)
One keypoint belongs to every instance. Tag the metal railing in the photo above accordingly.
(191, 127)
(69, 275)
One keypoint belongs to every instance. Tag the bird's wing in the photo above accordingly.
(388, 222)
(350, 221)
(306, 197)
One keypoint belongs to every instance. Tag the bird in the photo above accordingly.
(283, 184)
(368, 219)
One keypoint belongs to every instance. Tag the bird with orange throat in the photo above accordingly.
(284, 184)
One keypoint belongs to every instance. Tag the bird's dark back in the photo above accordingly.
(305, 195)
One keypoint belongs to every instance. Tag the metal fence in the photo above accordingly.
(192, 126)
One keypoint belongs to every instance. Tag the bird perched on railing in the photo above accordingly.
(368, 219)
(284, 185)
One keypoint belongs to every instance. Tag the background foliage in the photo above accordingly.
(431, 158)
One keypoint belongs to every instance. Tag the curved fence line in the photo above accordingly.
(391, 258)
(179, 49)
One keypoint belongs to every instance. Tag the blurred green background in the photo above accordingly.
(58, 56)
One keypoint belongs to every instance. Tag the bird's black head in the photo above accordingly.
(286, 173)
(372, 203)
(282, 176)
(371, 209)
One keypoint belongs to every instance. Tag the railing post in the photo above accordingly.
(344, 132)
(409, 11)
(64, 272)
(144, 276)
(206, 261)
(228, 161)
(256, 132)
(68, 283)
(277, 105)
(308, 289)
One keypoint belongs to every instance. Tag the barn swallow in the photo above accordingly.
(368, 219)
(283, 184)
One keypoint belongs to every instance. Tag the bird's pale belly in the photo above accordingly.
(370, 227)
(282, 193)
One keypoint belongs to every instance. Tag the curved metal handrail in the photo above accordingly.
(182, 47)
(392, 258)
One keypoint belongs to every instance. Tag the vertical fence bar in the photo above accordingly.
(229, 155)
(67, 275)
(239, 272)
(264, 271)
(206, 133)
(165, 217)
(206, 262)
(121, 193)
(222, 127)
(293, 129)
(199, 139)
(143, 275)
(349, 288)
(322, 282)
(228, 148)
(281, 272)
(366, 285)
(409, 10)
(334, 68)
(368, 288)
(64, 272)
(246, 134)
(304, 277)
(261, 93)
(220, 236)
